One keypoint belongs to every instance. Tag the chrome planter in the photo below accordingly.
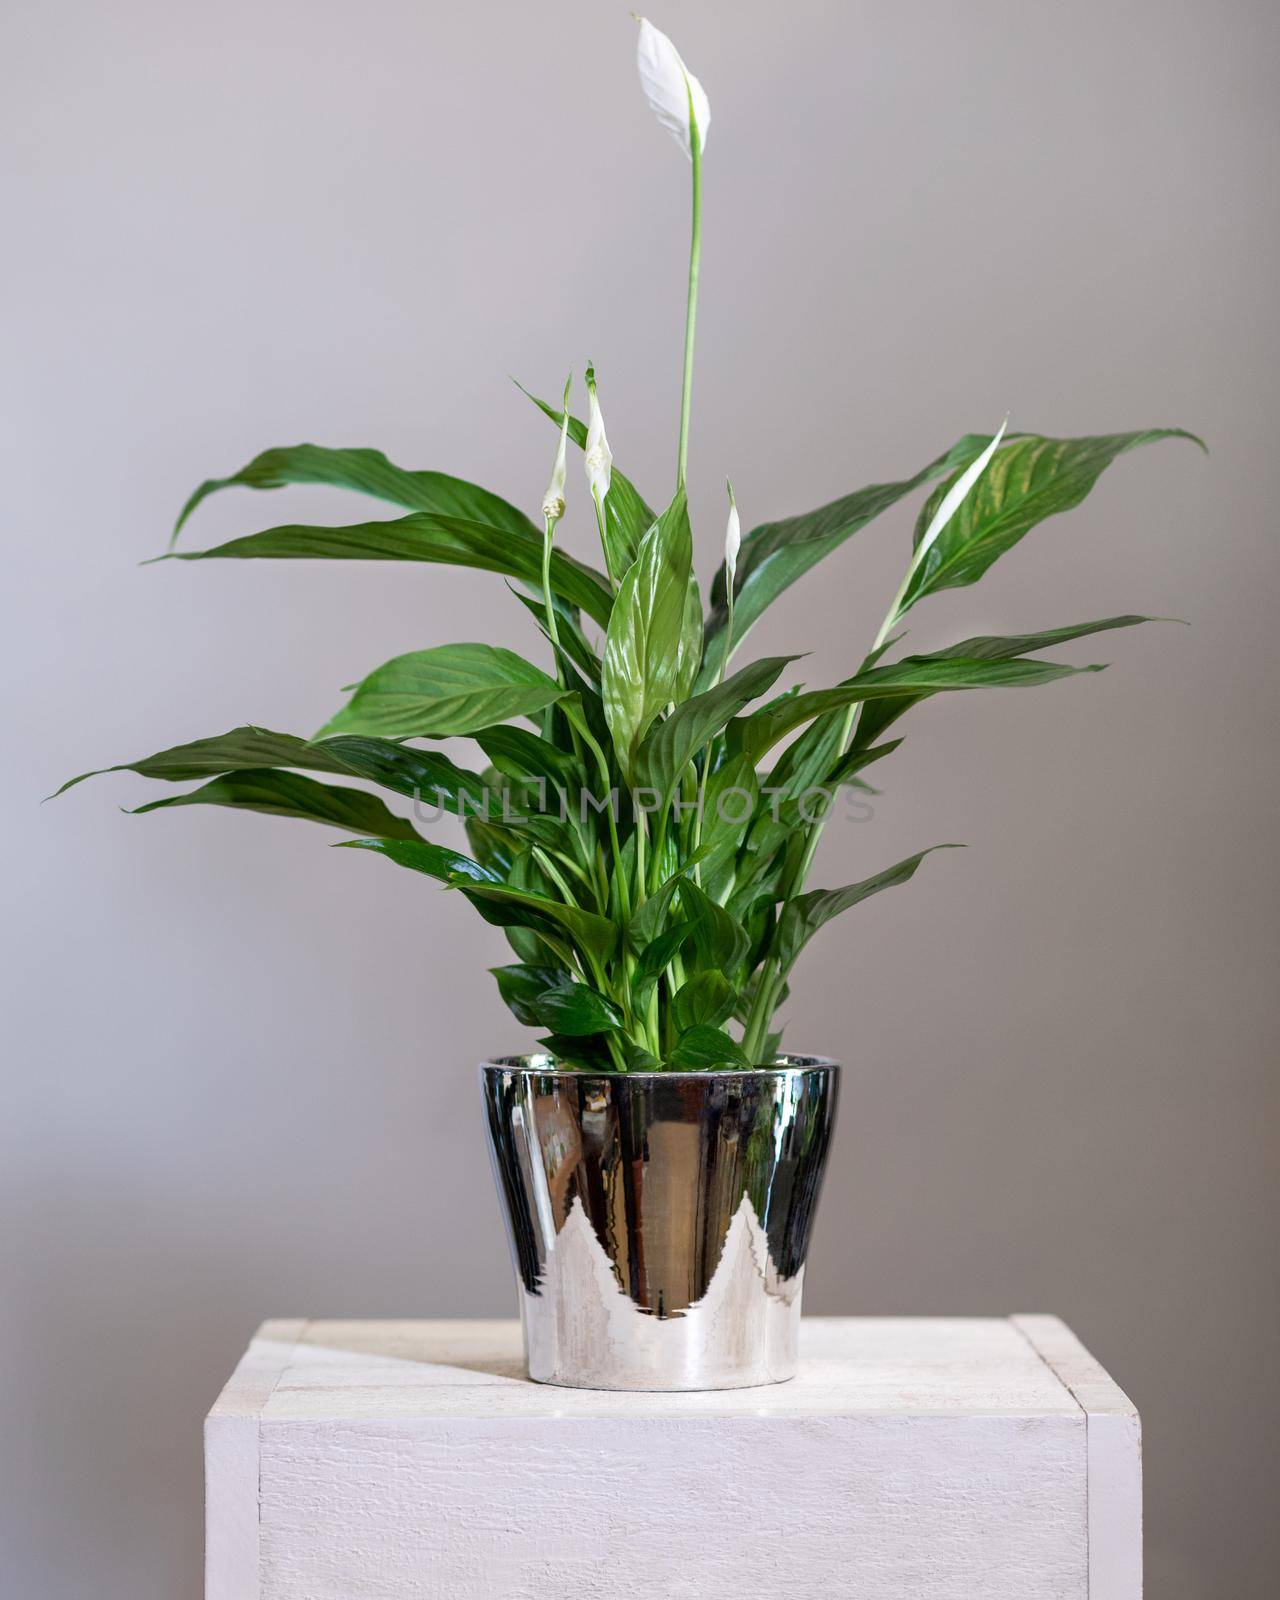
(659, 1221)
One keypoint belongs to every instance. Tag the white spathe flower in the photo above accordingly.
(669, 87)
(553, 500)
(954, 496)
(732, 541)
(597, 456)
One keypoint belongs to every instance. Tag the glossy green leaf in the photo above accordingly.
(672, 744)
(706, 1000)
(719, 940)
(878, 714)
(759, 733)
(575, 1011)
(1026, 481)
(521, 983)
(240, 749)
(689, 650)
(424, 776)
(590, 932)
(803, 917)
(435, 861)
(641, 662)
(428, 537)
(452, 689)
(289, 794)
(367, 472)
(775, 554)
(702, 1048)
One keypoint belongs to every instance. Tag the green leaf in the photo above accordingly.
(520, 984)
(424, 536)
(689, 649)
(759, 733)
(626, 517)
(656, 956)
(705, 1000)
(877, 716)
(425, 776)
(1026, 481)
(702, 1048)
(802, 917)
(240, 749)
(590, 1055)
(521, 754)
(451, 689)
(446, 866)
(647, 920)
(289, 794)
(775, 554)
(719, 940)
(366, 472)
(572, 641)
(671, 746)
(642, 645)
(574, 1011)
(591, 932)
(847, 769)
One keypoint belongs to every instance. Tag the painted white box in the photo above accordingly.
(940, 1458)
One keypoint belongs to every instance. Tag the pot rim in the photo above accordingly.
(542, 1064)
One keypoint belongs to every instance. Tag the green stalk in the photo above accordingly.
(691, 310)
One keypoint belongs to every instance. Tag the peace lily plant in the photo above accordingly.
(643, 811)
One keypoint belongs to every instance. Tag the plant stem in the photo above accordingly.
(691, 311)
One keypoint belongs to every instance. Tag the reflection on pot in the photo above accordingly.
(659, 1221)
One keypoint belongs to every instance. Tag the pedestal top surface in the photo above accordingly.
(309, 1371)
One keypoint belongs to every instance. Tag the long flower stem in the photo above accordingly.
(691, 312)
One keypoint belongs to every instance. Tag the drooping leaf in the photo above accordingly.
(423, 536)
(760, 732)
(451, 689)
(702, 1048)
(775, 554)
(240, 749)
(425, 776)
(1027, 480)
(588, 930)
(520, 984)
(802, 917)
(627, 518)
(878, 714)
(575, 1011)
(640, 670)
(289, 794)
(366, 472)
(672, 744)
(446, 866)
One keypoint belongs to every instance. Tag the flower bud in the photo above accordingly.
(598, 458)
(671, 89)
(553, 500)
(732, 540)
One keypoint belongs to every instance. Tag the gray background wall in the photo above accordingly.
(240, 1067)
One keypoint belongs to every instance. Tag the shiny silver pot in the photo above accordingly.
(659, 1220)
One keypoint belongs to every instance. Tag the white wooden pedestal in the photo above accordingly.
(946, 1459)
